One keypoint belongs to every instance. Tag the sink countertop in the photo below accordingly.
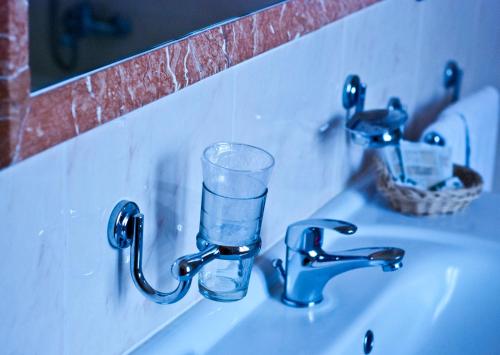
(260, 323)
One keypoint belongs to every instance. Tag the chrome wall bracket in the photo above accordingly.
(395, 104)
(353, 94)
(125, 229)
(452, 79)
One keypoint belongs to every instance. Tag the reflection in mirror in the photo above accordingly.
(71, 37)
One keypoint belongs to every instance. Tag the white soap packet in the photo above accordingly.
(390, 157)
(422, 165)
(452, 183)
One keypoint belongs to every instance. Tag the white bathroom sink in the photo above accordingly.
(445, 300)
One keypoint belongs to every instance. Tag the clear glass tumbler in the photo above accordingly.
(235, 178)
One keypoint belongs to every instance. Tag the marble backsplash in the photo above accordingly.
(65, 290)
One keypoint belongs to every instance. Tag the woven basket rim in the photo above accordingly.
(477, 184)
(416, 201)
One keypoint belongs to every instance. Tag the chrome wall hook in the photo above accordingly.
(395, 104)
(353, 94)
(125, 229)
(452, 79)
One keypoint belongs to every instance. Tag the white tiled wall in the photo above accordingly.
(64, 290)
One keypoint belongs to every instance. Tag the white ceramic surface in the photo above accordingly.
(443, 301)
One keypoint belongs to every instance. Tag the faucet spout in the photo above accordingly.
(309, 267)
(390, 258)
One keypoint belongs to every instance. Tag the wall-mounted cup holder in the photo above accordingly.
(379, 128)
(372, 128)
(229, 237)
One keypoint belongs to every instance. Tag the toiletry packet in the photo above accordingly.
(422, 165)
(452, 183)
(393, 163)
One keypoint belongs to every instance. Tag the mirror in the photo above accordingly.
(72, 37)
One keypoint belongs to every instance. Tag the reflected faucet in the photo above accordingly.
(78, 21)
(308, 267)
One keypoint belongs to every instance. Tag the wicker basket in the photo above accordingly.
(410, 200)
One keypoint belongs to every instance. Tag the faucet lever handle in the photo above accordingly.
(308, 234)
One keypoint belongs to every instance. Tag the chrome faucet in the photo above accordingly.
(308, 267)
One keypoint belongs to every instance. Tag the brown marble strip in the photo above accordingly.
(80, 105)
(14, 75)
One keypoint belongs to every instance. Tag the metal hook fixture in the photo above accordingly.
(353, 94)
(452, 79)
(125, 229)
(395, 104)
(434, 138)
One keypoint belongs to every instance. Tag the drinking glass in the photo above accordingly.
(235, 178)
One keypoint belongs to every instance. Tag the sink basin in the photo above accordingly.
(445, 300)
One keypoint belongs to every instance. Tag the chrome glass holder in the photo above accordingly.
(125, 229)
